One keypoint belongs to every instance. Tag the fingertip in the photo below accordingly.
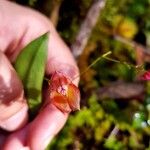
(17, 120)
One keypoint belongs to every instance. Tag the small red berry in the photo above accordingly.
(146, 75)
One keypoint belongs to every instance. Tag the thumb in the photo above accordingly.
(13, 107)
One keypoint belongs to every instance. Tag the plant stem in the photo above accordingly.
(93, 63)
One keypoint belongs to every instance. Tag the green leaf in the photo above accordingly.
(30, 66)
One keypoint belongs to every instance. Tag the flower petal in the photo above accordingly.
(60, 102)
(73, 95)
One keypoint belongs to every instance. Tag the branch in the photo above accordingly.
(133, 44)
(87, 27)
(122, 90)
(54, 16)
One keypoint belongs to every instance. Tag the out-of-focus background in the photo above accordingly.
(115, 104)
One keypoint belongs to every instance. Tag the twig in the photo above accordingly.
(114, 132)
(54, 16)
(95, 61)
(86, 28)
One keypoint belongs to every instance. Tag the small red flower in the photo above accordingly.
(146, 75)
(63, 93)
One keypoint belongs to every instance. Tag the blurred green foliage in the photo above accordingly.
(105, 123)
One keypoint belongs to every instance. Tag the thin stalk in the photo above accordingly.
(92, 64)
(124, 63)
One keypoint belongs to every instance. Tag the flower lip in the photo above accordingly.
(62, 89)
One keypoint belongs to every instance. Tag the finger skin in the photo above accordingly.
(2, 138)
(46, 125)
(11, 97)
(18, 119)
(16, 141)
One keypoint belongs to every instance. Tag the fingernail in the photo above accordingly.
(69, 70)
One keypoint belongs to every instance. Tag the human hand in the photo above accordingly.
(18, 27)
